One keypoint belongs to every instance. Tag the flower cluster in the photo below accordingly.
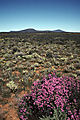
(49, 94)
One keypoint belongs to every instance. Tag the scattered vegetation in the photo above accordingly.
(27, 57)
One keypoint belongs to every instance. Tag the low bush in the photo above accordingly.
(49, 94)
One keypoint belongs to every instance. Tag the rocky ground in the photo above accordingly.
(25, 58)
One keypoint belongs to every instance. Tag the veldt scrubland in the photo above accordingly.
(27, 57)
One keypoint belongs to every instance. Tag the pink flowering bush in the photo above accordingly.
(60, 93)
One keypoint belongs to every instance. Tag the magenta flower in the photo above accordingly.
(47, 94)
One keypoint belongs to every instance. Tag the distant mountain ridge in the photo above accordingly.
(58, 30)
(31, 30)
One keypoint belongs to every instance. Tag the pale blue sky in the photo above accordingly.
(40, 15)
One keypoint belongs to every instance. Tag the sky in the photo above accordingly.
(40, 15)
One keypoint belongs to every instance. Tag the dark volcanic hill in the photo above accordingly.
(31, 30)
(58, 30)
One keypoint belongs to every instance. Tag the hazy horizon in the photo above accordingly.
(40, 15)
